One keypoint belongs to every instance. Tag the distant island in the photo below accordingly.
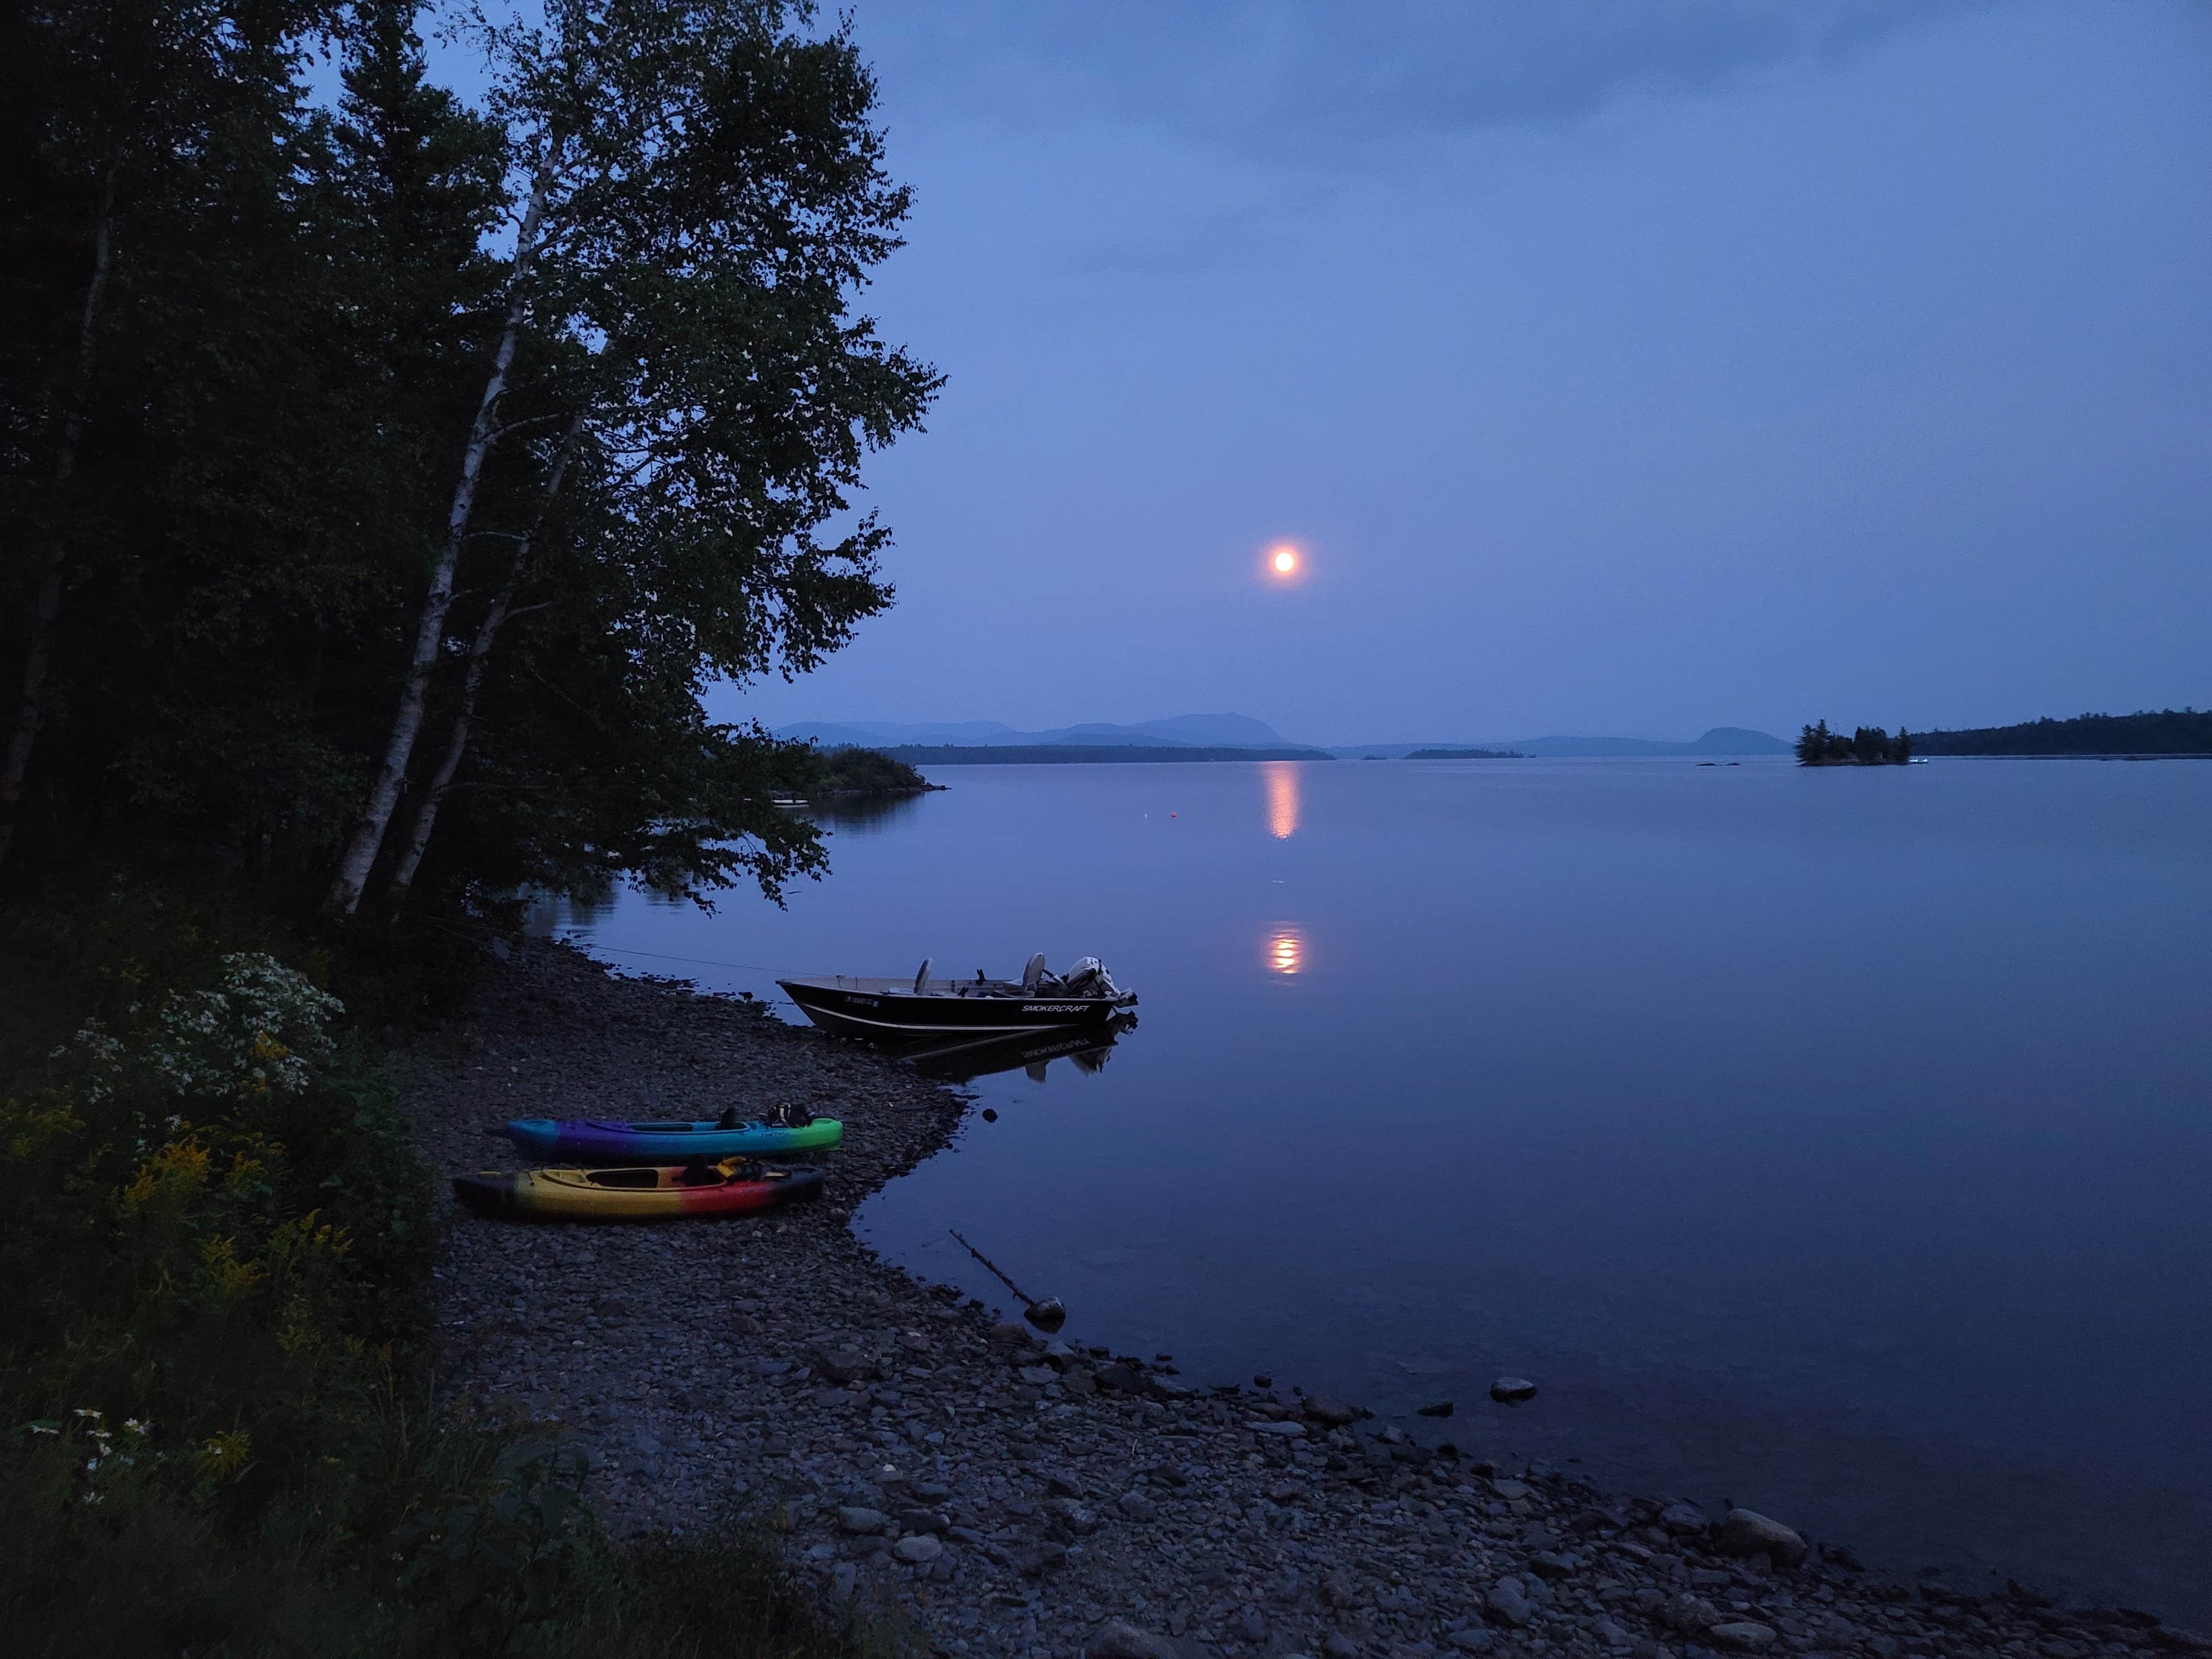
(1087, 754)
(849, 773)
(1867, 746)
(1467, 754)
(2161, 732)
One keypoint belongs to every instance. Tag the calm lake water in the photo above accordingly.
(1834, 1142)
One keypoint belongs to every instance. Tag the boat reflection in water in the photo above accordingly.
(958, 1060)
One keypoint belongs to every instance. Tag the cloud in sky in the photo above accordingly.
(1320, 82)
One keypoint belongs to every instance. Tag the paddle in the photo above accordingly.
(1047, 1315)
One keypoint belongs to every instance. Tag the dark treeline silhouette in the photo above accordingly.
(853, 771)
(1869, 745)
(2161, 732)
(380, 487)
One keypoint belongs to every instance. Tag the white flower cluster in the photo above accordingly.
(102, 1449)
(261, 1031)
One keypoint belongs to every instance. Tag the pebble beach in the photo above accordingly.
(1041, 1497)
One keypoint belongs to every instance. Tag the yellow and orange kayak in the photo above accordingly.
(670, 1193)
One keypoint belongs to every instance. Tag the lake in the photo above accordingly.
(1834, 1142)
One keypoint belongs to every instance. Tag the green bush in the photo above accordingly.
(220, 1432)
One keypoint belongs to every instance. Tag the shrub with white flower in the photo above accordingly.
(261, 1031)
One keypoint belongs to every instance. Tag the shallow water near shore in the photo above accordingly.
(1834, 1142)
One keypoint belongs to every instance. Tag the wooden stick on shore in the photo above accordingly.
(1047, 1315)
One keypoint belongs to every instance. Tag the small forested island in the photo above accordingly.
(2147, 731)
(1869, 745)
(1467, 754)
(845, 773)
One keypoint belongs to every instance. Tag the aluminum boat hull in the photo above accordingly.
(893, 1009)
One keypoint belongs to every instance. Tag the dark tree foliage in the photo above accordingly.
(1869, 745)
(248, 342)
(2147, 732)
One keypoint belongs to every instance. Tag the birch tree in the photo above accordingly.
(706, 196)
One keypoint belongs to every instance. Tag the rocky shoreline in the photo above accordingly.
(1042, 1500)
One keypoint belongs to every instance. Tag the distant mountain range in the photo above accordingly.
(1239, 732)
(1183, 731)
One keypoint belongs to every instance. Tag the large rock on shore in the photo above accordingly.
(1746, 1532)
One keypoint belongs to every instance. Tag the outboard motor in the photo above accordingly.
(1088, 978)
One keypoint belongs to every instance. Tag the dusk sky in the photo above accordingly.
(1617, 368)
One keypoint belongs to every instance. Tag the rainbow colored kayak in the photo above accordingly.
(672, 1193)
(594, 1141)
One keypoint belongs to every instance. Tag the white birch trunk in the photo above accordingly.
(39, 649)
(457, 743)
(368, 837)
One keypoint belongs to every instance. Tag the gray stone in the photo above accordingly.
(1746, 1532)
(842, 1366)
(1040, 1559)
(854, 1518)
(1472, 1639)
(1340, 1646)
(1036, 1376)
(1123, 1640)
(1688, 1613)
(919, 1550)
(1741, 1636)
(1136, 1507)
(1508, 1490)
(1512, 1388)
(1284, 1431)
(1331, 1412)
(1547, 1564)
(1505, 1603)
(1076, 1519)
(1251, 1626)
(1611, 1634)
(1683, 1518)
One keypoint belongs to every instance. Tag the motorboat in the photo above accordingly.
(926, 1007)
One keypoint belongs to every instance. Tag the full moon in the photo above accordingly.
(1285, 561)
